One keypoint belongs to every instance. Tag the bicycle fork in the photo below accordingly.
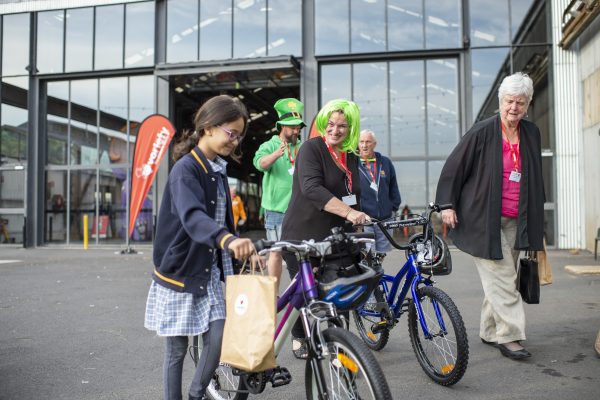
(421, 315)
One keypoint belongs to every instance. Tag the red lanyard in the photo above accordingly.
(514, 153)
(292, 160)
(372, 173)
(342, 163)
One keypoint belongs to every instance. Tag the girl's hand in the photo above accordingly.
(242, 248)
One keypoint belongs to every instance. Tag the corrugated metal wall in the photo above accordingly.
(569, 139)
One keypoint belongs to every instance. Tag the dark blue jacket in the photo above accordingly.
(382, 203)
(187, 236)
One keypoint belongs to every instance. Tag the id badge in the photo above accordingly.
(515, 176)
(291, 171)
(349, 200)
(374, 186)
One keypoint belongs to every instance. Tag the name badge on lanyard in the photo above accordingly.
(515, 176)
(349, 200)
(374, 186)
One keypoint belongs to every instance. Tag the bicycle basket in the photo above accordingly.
(434, 258)
(347, 286)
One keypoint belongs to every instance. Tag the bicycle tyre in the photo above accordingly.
(444, 356)
(223, 376)
(374, 341)
(347, 353)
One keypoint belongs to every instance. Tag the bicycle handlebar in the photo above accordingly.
(312, 247)
(424, 219)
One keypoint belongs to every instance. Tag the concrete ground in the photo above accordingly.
(71, 327)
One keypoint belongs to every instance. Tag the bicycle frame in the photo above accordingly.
(413, 277)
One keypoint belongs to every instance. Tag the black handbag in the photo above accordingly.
(528, 281)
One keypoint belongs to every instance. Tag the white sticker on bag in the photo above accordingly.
(241, 304)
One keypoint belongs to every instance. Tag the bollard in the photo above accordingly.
(85, 231)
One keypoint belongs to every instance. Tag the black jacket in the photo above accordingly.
(317, 179)
(472, 181)
(382, 203)
(187, 236)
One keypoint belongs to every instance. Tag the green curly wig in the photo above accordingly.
(352, 113)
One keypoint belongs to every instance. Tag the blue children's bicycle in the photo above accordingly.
(436, 329)
(339, 365)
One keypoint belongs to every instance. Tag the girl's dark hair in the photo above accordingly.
(215, 111)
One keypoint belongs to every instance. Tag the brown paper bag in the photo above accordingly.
(248, 338)
(544, 268)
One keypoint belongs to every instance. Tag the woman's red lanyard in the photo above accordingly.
(292, 160)
(514, 153)
(342, 162)
(371, 173)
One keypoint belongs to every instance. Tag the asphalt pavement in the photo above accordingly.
(71, 327)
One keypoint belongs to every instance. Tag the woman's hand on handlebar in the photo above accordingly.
(449, 217)
(357, 217)
(242, 248)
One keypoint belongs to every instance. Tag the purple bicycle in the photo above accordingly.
(339, 364)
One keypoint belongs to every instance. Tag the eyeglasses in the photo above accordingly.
(232, 135)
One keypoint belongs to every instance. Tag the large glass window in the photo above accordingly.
(57, 124)
(215, 30)
(182, 30)
(442, 106)
(367, 33)
(370, 88)
(84, 123)
(108, 46)
(412, 106)
(332, 32)
(334, 82)
(14, 121)
(97, 119)
(15, 44)
(373, 26)
(405, 25)
(443, 28)
(249, 28)
(284, 25)
(139, 34)
(407, 108)
(79, 39)
(50, 37)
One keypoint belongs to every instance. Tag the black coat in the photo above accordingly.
(317, 179)
(472, 181)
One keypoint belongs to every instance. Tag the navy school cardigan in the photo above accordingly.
(187, 236)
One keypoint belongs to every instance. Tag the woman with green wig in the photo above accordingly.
(326, 186)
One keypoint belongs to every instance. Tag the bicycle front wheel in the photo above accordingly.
(444, 353)
(366, 323)
(349, 369)
(224, 385)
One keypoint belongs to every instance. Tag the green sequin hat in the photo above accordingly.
(289, 112)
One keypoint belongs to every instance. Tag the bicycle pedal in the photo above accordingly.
(281, 376)
(380, 326)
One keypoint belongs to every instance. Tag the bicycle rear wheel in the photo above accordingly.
(224, 385)
(365, 323)
(349, 369)
(443, 355)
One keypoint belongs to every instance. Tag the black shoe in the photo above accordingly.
(513, 354)
(300, 348)
(489, 343)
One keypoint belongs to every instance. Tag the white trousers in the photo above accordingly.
(502, 313)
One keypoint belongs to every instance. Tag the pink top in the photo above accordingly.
(510, 189)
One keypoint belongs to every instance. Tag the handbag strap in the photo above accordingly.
(531, 254)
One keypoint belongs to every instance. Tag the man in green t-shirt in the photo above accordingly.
(275, 159)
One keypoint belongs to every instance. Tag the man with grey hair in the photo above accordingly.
(380, 196)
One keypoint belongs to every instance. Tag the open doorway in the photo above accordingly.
(258, 89)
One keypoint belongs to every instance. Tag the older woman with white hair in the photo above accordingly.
(494, 180)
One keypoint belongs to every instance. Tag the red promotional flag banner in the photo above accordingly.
(152, 142)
